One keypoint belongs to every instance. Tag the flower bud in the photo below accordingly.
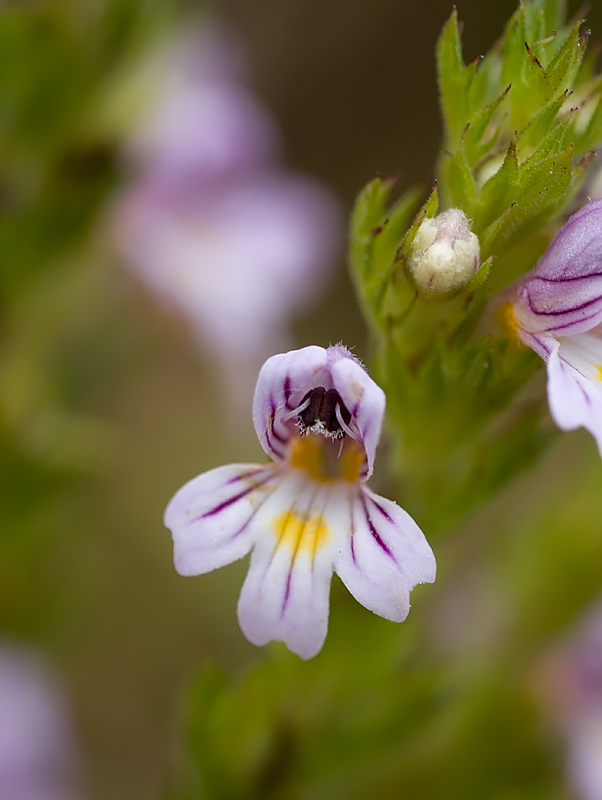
(445, 253)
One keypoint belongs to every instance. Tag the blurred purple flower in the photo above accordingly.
(570, 683)
(213, 224)
(557, 311)
(318, 415)
(37, 752)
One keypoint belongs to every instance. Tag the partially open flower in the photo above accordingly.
(557, 310)
(318, 415)
(445, 253)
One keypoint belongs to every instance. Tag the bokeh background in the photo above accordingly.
(108, 403)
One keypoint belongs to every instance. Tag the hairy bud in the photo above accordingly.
(445, 253)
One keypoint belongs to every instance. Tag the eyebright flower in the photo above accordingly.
(445, 253)
(318, 415)
(557, 311)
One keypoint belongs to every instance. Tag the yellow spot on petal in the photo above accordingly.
(301, 535)
(599, 373)
(508, 318)
(352, 460)
(323, 459)
(307, 454)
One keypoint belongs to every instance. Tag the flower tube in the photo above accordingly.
(318, 415)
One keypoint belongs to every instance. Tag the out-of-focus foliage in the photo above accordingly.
(56, 168)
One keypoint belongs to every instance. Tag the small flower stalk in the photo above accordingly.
(445, 254)
(557, 311)
(318, 415)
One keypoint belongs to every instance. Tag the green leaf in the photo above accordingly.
(367, 219)
(543, 183)
(375, 237)
(513, 50)
(554, 141)
(498, 192)
(536, 75)
(591, 137)
(562, 70)
(460, 183)
(479, 123)
(540, 123)
(496, 232)
(454, 79)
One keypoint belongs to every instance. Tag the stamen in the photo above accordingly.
(352, 432)
(323, 412)
(296, 411)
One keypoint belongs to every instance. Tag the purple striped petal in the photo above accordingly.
(285, 379)
(210, 517)
(286, 594)
(383, 555)
(563, 294)
(364, 399)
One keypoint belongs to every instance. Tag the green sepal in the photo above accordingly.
(480, 276)
(428, 210)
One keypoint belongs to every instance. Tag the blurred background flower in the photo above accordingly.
(570, 680)
(213, 223)
(39, 757)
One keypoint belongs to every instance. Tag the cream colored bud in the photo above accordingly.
(445, 253)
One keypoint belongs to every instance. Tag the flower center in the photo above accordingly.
(322, 411)
(326, 460)
(328, 446)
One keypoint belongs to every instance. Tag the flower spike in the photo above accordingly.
(557, 311)
(318, 415)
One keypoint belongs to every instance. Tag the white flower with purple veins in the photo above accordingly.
(558, 312)
(318, 415)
